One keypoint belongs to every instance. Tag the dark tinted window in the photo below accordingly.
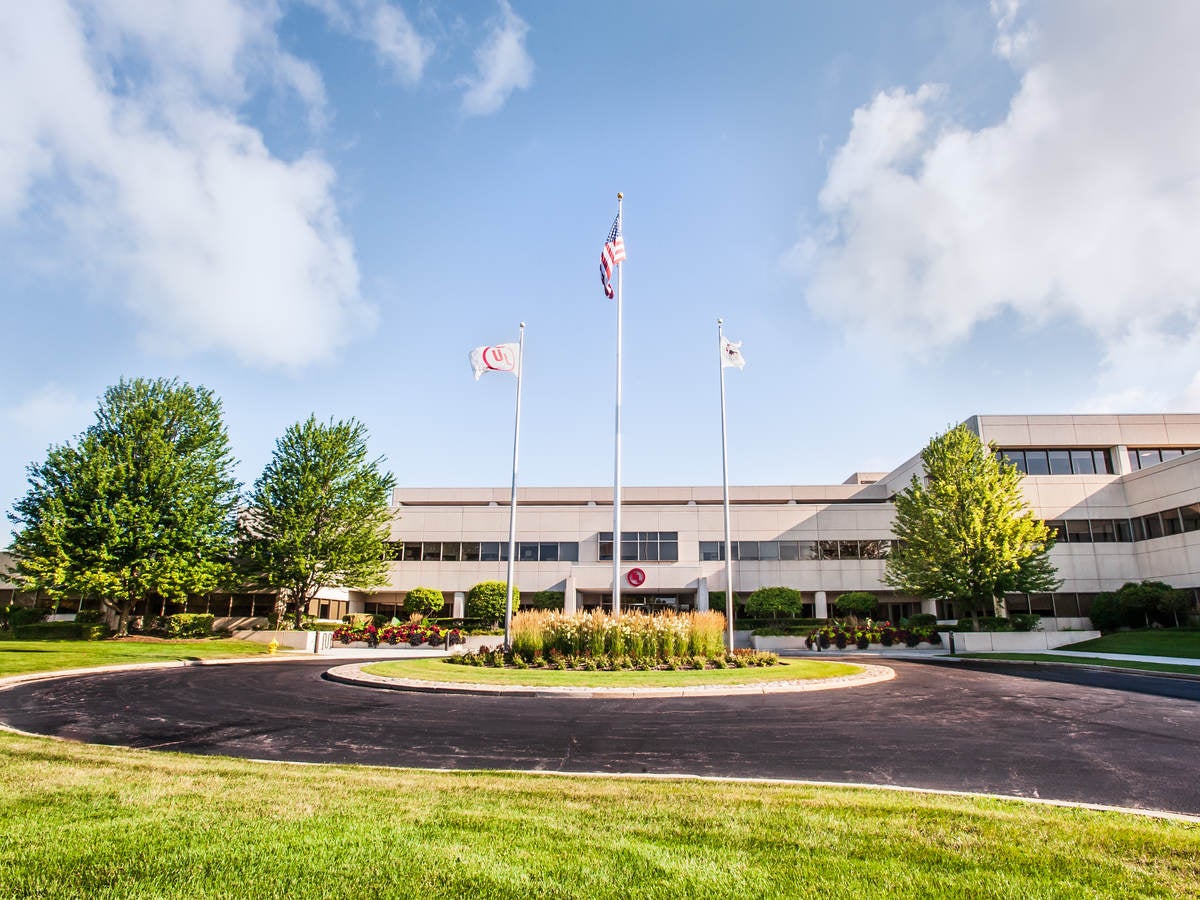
(1060, 462)
(1036, 462)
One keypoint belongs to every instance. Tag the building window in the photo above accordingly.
(642, 546)
(451, 551)
(1152, 526)
(709, 551)
(527, 551)
(1059, 461)
(1059, 530)
(1078, 531)
(827, 549)
(1172, 523)
(470, 551)
(1145, 457)
(1103, 531)
(1190, 516)
(848, 549)
(1036, 462)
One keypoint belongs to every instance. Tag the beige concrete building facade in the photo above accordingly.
(1123, 492)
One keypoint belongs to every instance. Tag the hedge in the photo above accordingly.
(60, 631)
(188, 625)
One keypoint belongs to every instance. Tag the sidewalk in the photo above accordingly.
(1124, 657)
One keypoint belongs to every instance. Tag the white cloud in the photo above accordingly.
(128, 114)
(502, 65)
(47, 414)
(1083, 202)
(384, 25)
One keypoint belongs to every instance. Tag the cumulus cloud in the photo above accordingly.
(126, 113)
(502, 65)
(1082, 202)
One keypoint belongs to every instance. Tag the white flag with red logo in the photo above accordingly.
(731, 354)
(500, 358)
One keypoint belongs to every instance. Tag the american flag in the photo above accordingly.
(613, 253)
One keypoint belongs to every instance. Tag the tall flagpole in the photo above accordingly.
(725, 485)
(616, 589)
(512, 503)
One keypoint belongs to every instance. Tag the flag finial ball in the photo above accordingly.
(620, 196)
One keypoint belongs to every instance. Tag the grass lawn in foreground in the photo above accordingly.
(1145, 642)
(100, 822)
(430, 669)
(24, 657)
(1088, 661)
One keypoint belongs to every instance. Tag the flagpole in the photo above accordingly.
(616, 589)
(512, 503)
(725, 486)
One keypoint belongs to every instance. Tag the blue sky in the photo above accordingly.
(908, 213)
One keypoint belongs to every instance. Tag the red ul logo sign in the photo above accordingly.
(636, 577)
(499, 359)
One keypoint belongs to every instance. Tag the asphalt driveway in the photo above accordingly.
(1025, 731)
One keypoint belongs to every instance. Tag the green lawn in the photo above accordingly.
(1146, 642)
(431, 669)
(1087, 661)
(97, 822)
(23, 657)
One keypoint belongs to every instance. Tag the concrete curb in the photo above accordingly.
(354, 675)
(1065, 664)
(11, 681)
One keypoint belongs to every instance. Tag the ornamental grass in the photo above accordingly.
(638, 636)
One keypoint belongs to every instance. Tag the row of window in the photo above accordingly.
(1139, 528)
(1080, 461)
(797, 550)
(1085, 461)
(1144, 459)
(642, 546)
(482, 551)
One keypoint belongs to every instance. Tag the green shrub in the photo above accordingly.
(774, 601)
(188, 625)
(90, 617)
(549, 600)
(856, 603)
(1024, 621)
(486, 600)
(423, 600)
(15, 616)
(60, 631)
(921, 620)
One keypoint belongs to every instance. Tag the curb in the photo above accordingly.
(1090, 667)
(354, 675)
(11, 681)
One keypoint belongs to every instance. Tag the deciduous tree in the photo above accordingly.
(141, 506)
(965, 531)
(318, 515)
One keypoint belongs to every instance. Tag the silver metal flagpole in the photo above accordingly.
(725, 485)
(616, 590)
(512, 502)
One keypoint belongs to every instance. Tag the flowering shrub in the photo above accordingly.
(867, 632)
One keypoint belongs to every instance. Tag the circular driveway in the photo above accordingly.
(1017, 730)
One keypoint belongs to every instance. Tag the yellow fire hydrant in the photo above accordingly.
(273, 646)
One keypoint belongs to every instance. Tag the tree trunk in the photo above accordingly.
(124, 612)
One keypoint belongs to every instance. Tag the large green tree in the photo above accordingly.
(142, 505)
(965, 531)
(318, 515)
